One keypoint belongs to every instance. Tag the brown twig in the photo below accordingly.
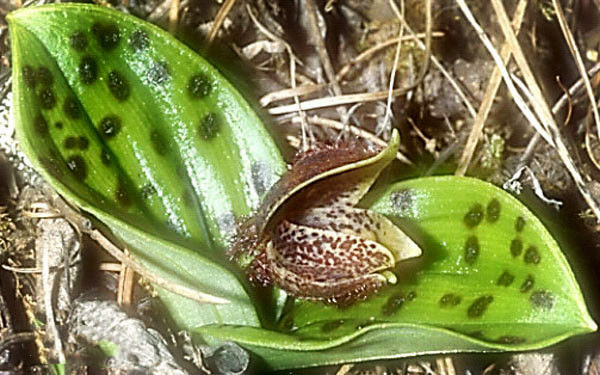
(488, 98)
(173, 16)
(578, 61)
(125, 287)
(219, 19)
(569, 101)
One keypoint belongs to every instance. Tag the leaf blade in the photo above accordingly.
(512, 320)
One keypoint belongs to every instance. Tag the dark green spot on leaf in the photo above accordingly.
(29, 76)
(107, 34)
(51, 166)
(158, 73)
(450, 300)
(83, 142)
(471, 249)
(58, 125)
(199, 86)
(88, 70)
(110, 126)
(209, 126)
(493, 211)
(505, 279)
(393, 304)
(474, 216)
(532, 255)
(71, 107)
(516, 247)
(519, 224)
(105, 157)
(159, 143)
(542, 299)
(46, 98)
(332, 326)
(123, 194)
(70, 143)
(139, 40)
(44, 76)
(40, 125)
(77, 166)
(78, 41)
(511, 340)
(147, 191)
(527, 284)
(479, 306)
(118, 86)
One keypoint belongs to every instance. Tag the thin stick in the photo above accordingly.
(290, 93)
(173, 16)
(488, 98)
(578, 61)
(333, 101)
(386, 125)
(182, 290)
(219, 19)
(48, 308)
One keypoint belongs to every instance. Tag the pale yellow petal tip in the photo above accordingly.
(390, 277)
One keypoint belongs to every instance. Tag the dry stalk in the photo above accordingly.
(125, 287)
(219, 19)
(173, 16)
(48, 308)
(579, 62)
(386, 125)
(275, 96)
(488, 98)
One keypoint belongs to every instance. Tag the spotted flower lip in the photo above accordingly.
(313, 241)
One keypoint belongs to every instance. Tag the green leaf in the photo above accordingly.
(133, 127)
(491, 278)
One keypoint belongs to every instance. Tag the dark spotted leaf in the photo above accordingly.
(135, 128)
(491, 278)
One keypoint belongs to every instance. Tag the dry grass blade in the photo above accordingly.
(173, 16)
(385, 126)
(290, 93)
(155, 279)
(219, 19)
(488, 98)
